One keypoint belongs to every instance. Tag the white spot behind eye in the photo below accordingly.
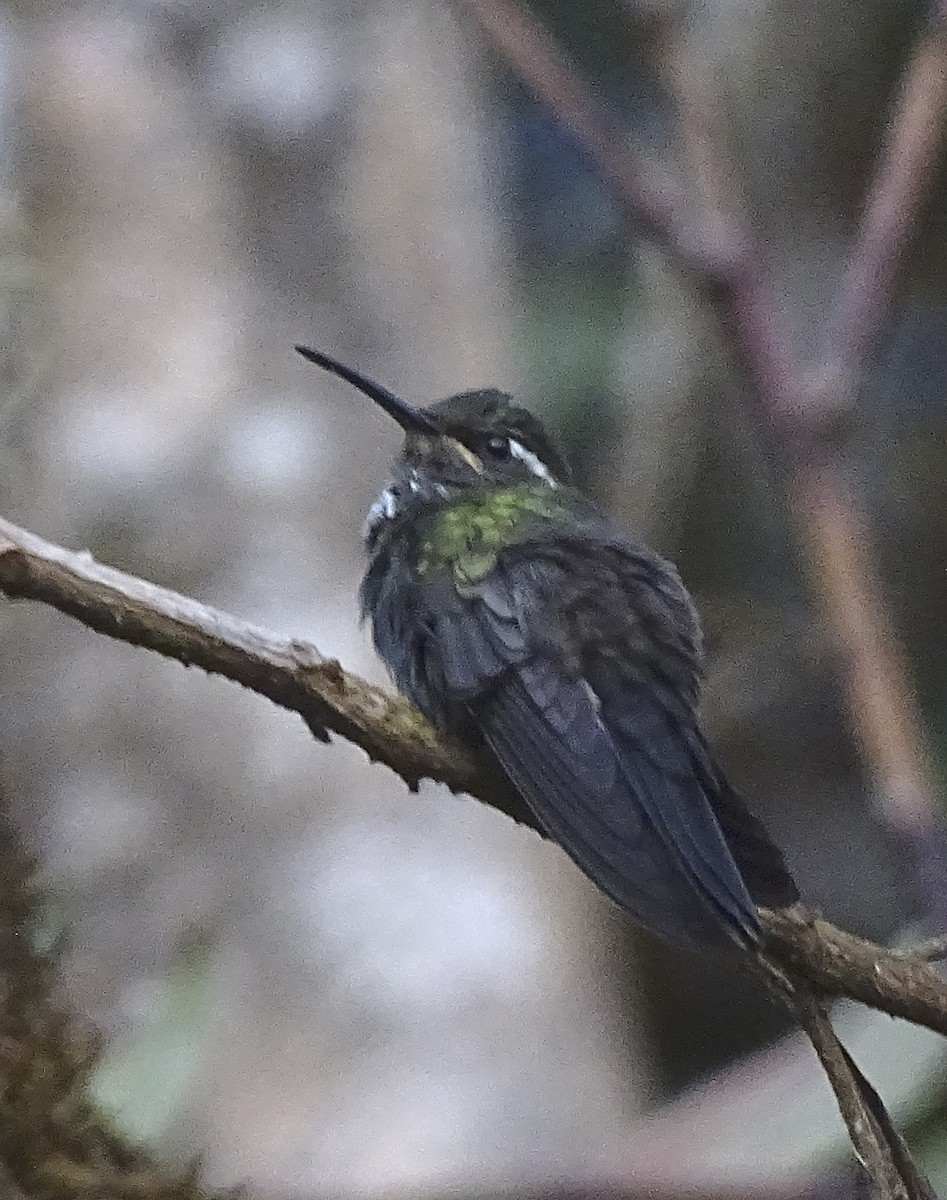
(538, 468)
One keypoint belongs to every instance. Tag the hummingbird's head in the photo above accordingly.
(469, 440)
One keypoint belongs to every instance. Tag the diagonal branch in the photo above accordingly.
(294, 675)
(289, 671)
(655, 202)
(714, 249)
(869, 1140)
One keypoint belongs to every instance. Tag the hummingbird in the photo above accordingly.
(565, 653)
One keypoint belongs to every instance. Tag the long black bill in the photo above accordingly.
(410, 419)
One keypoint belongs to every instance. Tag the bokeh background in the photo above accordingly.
(325, 985)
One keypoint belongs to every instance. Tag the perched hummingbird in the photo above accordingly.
(519, 620)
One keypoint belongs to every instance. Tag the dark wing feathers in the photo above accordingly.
(576, 784)
(760, 859)
(658, 761)
(598, 734)
(468, 651)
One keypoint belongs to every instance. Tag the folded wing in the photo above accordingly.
(601, 741)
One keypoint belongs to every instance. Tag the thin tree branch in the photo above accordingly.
(883, 702)
(837, 963)
(886, 1180)
(712, 248)
(875, 675)
(879, 1146)
(289, 671)
(293, 674)
(654, 201)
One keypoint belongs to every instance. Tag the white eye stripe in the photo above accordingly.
(529, 459)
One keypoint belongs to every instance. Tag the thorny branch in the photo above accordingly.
(293, 674)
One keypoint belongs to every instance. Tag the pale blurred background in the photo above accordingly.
(325, 984)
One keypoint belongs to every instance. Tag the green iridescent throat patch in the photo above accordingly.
(466, 535)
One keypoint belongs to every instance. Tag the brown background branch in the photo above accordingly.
(293, 674)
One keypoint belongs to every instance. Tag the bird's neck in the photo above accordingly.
(473, 526)
(413, 503)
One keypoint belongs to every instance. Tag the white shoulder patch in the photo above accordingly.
(384, 509)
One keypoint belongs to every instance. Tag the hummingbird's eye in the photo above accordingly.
(499, 447)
